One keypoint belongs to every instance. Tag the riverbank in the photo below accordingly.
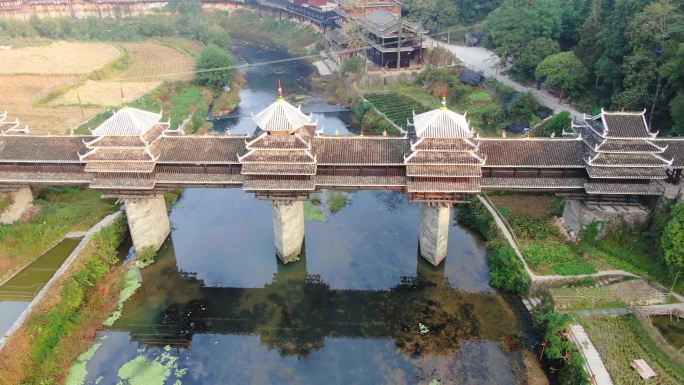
(58, 210)
(67, 315)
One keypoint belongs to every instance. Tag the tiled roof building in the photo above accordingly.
(621, 155)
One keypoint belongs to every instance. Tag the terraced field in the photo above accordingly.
(148, 64)
(397, 108)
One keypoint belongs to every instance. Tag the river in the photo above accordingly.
(360, 306)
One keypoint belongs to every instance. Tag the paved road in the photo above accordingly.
(487, 62)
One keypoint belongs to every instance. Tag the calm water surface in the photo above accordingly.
(360, 307)
(17, 293)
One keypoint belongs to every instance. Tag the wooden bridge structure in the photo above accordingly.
(611, 158)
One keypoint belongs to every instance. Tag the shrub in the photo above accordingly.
(563, 358)
(354, 65)
(476, 217)
(672, 240)
(507, 271)
(210, 60)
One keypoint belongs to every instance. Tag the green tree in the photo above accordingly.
(436, 15)
(535, 51)
(677, 114)
(654, 34)
(672, 240)
(558, 123)
(563, 71)
(210, 60)
(354, 65)
(511, 26)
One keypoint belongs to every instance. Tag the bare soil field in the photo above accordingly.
(58, 58)
(19, 93)
(150, 63)
(37, 83)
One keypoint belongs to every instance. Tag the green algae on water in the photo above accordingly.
(79, 370)
(141, 371)
(131, 283)
(314, 213)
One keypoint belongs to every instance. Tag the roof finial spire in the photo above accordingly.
(444, 96)
(280, 91)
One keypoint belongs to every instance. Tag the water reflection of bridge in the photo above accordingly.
(296, 311)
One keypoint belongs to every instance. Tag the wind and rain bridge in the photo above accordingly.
(610, 164)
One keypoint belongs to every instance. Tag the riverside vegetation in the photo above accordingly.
(57, 211)
(67, 319)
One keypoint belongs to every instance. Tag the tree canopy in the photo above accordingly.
(563, 71)
(211, 58)
(534, 52)
(511, 26)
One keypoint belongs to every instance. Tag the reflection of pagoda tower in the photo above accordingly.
(443, 167)
(279, 165)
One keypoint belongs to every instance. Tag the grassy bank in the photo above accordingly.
(61, 210)
(67, 319)
(548, 250)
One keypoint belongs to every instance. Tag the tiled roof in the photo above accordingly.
(274, 142)
(280, 184)
(620, 188)
(441, 123)
(354, 181)
(443, 158)
(49, 149)
(278, 169)
(675, 149)
(116, 141)
(360, 150)
(443, 171)
(533, 152)
(627, 172)
(533, 183)
(624, 125)
(277, 156)
(445, 144)
(107, 182)
(114, 154)
(45, 177)
(199, 178)
(458, 185)
(128, 121)
(626, 160)
(120, 167)
(281, 116)
(199, 149)
(629, 145)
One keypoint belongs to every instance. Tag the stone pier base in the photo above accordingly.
(288, 228)
(148, 222)
(434, 233)
(578, 215)
(22, 200)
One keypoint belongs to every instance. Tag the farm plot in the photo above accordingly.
(397, 108)
(620, 340)
(149, 64)
(59, 58)
(19, 93)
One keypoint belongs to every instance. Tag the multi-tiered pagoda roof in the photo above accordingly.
(280, 156)
(123, 151)
(621, 154)
(444, 157)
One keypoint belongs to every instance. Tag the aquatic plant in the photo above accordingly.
(130, 285)
(336, 201)
(313, 212)
(78, 371)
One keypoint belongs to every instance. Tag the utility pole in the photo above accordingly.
(401, 29)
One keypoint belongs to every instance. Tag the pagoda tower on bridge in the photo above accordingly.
(279, 165)
(442, 168)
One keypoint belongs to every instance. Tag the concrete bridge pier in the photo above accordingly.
(148, 221)
(20, 201)
(288, 228)
(434, 232)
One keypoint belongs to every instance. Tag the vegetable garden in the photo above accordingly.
(395, 107)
